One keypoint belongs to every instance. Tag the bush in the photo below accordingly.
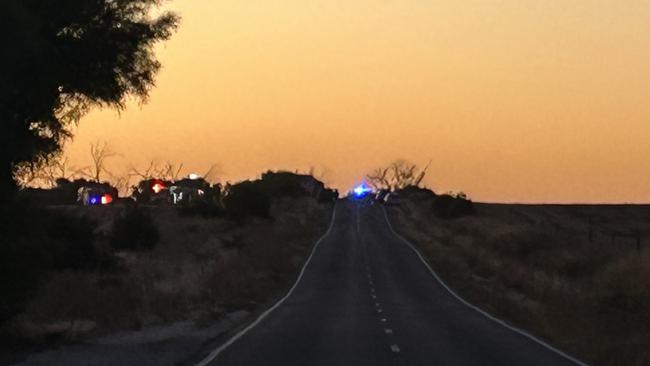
(134, 229)
(202, 207)
(283, 184)
(247, 199)
(328, 195)
(448, 206)
(71, 242)
(34, 241)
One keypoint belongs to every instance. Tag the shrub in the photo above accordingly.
(284, 184)
(134, 229)
(448, 206)
(328, 195)
(34, 241)
(247, 199)
(202, 207)
(71, 242)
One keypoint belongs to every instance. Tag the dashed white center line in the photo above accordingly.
(377, 304)
(380, 311)
(388, 331)
(394, 348)
(384, 320)
(374, 296)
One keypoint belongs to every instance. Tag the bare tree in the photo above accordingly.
(100, 152)
(170, 171)
(61, 168)
(122, 183)
(148, 173)
(48, 172)
(211, 174)
(398, 175)
(378, 178)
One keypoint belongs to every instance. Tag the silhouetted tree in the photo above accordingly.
(61, 58)
(398, 175)
(58, 167)
(100, 152)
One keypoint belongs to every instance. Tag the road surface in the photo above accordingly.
(367, 299)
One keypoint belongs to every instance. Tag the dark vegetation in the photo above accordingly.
(398, 175)
(60, 59)
(405, 179)
(66, 268)
(565, 273)
(444, 206)
(247, 199)
(35, 241)
(253, 198)
(133, 229)
(452, 206)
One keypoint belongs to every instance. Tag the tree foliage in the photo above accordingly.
(61, 58)
(397, 175)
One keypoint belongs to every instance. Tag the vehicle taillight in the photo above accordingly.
(157, 187)
(106, 199)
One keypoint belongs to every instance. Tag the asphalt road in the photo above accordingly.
(367, 299)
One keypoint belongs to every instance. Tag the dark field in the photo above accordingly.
(577, 275)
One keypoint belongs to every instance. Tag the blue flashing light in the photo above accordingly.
(361, 190)
(95, 200)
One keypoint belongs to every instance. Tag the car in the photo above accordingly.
(380, 196)
(392, 199)
(94, 196)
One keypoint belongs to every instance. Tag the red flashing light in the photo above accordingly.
(157, 187)
(106, 199)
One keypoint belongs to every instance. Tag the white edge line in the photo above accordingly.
(476, 308)
(210, 357)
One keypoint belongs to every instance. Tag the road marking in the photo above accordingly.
(380, 311)
(474, 307)
(374, 296)
(377, 304)
(394, 348)
(210, 357)
(383, 320)
(388, 331)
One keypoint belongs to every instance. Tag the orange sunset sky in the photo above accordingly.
(511, 100)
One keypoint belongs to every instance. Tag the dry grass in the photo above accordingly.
(536, 267)
(201, 268)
